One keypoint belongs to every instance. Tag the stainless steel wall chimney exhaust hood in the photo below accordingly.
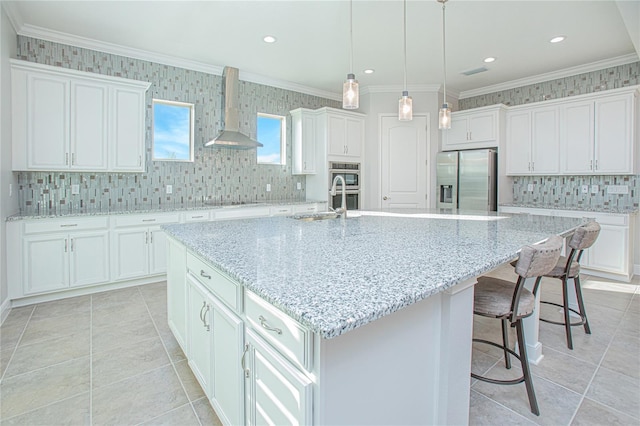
(230, 136)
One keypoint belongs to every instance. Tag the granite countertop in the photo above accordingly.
(51, 214)
(597, 209)
(339, 274)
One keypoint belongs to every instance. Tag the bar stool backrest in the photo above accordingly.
(585, 236)
(538, 259)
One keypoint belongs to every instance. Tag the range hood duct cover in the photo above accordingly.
(230, 136)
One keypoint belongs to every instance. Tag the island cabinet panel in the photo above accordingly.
(65, 120)
(277, 393)
(199, 343)
(177, 291)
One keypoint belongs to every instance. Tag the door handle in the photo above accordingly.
(386, 198)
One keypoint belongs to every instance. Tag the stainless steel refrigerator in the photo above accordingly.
(467, 180)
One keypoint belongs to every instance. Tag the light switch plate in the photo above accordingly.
(585, 189)
(169, 189)
(75, 189)
(268, 187)
(617, 189)
(595, 189)
(299, 185)
(530, 187)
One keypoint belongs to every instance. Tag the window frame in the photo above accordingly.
(191, 108)
(283, 138)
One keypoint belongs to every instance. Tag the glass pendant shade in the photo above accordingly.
(350, 93)
(444, 118)
(405, 107)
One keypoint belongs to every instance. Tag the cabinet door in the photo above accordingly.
(130, 253)
(354, 136)
(458, 133)
(89, 107)
(576, 137)
(127, 120)
(228, 345)
(157, 251)
(308, 144)
(483, 126)
(614, 135)
(518, 143)
(45, 263)
(545, 141)
(89, 258)
(199, 334)
(337, 133)
(609, 252)
(177, 291)
(47, 122)
(278, 392)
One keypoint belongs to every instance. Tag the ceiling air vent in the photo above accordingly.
(475, 71)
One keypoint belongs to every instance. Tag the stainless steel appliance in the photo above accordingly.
(351, 175)
(467, 180)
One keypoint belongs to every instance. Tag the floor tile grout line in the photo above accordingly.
(75, 395)
(15, 348)
(162, 415)
(175, 370)
(503, 406)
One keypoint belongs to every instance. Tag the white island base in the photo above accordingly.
(410, 367)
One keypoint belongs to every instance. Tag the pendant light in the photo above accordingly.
(444, 117)
(405, 104)
(350, 91)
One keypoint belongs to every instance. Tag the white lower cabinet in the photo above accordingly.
(277, 393)
(199, 341)
(177, 291)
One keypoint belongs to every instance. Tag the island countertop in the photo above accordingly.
(339, 274)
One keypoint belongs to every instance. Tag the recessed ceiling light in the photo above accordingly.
(369, 71)
(269, 39)
(557, 39)
(489, 59)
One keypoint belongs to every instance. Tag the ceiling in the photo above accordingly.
(312, 48)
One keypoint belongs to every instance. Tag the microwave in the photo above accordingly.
(350, 172)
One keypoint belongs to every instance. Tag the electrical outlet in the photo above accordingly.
(595, 189)
(75, 189)
(530, 187)
(268, 187)
(169, 189)
(585, 189)
(299, 185)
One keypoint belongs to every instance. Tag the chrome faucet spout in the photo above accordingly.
(343, 208)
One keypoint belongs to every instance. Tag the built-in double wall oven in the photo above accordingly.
(350, 172)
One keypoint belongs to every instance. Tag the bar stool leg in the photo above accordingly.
(583, 313)
(505, 343)
(524, 361)
(567, 319)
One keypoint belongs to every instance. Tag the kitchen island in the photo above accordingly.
(363, 320)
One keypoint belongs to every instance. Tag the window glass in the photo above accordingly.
(172, 131)
(271, 133)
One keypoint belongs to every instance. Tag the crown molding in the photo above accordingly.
(115, 49)
(567, 72)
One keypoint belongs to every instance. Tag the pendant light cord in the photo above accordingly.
(351, 36)
(444, 56)
(405, 45)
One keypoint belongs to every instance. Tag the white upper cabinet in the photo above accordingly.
(476, 128)
(303, 123)
(345, 133)
(71, 120)
(533, 142)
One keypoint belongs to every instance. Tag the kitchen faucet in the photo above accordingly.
(342, 210)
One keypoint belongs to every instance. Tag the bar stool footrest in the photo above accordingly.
(573, 324)
(496, 381)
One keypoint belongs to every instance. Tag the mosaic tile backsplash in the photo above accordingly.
(218, 175)
(565, 192)
(595, 81)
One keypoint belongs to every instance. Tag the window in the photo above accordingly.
(172, 131)
(271, 133)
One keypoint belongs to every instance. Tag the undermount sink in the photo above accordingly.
(308, 217)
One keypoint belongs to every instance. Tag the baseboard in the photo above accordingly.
(5, 308)
(636, 270)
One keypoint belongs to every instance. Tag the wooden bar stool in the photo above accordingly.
(568, 267)
(511, 302)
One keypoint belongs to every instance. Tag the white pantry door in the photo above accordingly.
(403, 162)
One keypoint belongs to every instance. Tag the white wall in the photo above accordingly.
(377, 103)
(8, 204)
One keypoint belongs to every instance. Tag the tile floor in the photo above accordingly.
(110, 358)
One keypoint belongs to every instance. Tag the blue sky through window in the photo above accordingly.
(270, 135)
(171, 131)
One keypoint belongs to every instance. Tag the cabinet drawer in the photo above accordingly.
(197, 216)
(146, 219)
(230, 292)
(70, 224)
(241, 212)
(281, 210)
(305, 208)
(287, 335)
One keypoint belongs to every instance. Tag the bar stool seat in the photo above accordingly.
(511, 302)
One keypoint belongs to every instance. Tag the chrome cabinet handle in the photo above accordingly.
(71, 244)
(244, 368)
(68, 225)
(263, 323)
(148, 220)
(204, 304)
(533, 166)
(73, 158)
(590, 164)
(596, 164)
(204, 317)
(151, 237)
(146, 237)
(66, 158)
(66, 245)
(203, 274)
